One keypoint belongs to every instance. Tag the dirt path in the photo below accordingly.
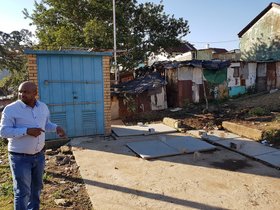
(117, 179)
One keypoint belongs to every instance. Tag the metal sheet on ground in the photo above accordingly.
(188, 144)
(168, 146)
(152, 149)
(136, 130)
(246, 146)
(273, 158)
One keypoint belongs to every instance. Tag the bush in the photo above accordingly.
(273, 136)
(258, 111)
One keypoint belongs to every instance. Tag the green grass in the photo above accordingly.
(6, 183)
(258, 111)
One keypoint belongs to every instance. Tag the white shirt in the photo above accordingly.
(16, 118)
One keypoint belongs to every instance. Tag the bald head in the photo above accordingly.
(27, 92)
(30, 85)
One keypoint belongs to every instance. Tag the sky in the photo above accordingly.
(211, 22)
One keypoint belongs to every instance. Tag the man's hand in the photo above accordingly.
(34, 131)
(60, 132)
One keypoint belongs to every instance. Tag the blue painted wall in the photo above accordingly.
(236, 90)
(71, 84)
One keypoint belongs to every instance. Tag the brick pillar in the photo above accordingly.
(32, 70)
(107, 95)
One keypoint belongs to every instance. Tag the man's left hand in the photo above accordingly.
(60, 132)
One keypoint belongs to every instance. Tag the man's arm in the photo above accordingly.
(7, 128)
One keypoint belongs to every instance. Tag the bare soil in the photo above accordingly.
(63, 185)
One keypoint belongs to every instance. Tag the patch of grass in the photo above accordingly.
(6, 182)
(273, 136)
(47, 177)
(58, 194)
(6, 189)
(258, 111)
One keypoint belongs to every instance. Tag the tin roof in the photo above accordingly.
(139, 85)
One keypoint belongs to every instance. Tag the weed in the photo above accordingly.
(58, 194)
(6, 189)
(129, 101)
(258, 111)
(47, 177)
(273, 135)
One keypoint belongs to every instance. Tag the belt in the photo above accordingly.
(24, 154)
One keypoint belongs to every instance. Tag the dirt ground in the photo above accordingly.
(116, 178)
(63, 185)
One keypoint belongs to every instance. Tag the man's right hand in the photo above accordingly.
(34, 131)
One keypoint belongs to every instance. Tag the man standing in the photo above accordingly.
(24, 122)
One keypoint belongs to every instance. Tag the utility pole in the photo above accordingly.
(115, 43)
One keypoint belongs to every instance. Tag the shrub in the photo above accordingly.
(258, 111)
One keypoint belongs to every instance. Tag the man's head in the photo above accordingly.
(27, 92)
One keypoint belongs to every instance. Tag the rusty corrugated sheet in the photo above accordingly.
(271, 75)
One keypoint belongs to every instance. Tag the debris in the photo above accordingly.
(59, 157)
(172, 122)
(265, 142)
(60, 202)
(176, 109)
(65, 161)
(273, 91)
(51, 152)
(65, 149)
(76, 188)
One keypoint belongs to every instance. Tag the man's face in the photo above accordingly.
(27, 94)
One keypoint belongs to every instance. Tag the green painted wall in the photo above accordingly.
(262, 41)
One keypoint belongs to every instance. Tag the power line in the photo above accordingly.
(200, 42)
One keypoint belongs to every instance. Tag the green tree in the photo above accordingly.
(13, 59)
(141, 28)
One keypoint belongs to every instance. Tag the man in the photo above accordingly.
(24, 122)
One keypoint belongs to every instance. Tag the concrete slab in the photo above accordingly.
(217, 135)
(167, 145)
(246, 146)
(152, 149)
(272, 158)
(136, 130)
(188, 144)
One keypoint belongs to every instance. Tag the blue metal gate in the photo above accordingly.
(71, 84)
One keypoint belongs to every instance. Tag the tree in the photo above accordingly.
(12, 57)
(141, 28)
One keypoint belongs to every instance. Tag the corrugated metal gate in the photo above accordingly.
(72, 87)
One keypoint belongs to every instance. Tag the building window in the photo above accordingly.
(236, 72)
